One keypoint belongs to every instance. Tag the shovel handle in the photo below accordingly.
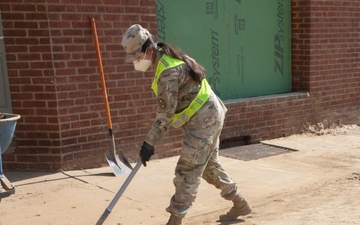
(119, 193)
(101, 73)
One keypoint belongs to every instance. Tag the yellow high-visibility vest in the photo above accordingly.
(167, 62)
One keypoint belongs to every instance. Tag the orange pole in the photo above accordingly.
(102, 77)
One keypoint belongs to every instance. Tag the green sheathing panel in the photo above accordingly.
(244, 45)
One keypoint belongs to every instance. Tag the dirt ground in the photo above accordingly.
(317, 183)
(331, 197)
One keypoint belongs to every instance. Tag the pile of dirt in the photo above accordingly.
(354, 176)
(329, 128)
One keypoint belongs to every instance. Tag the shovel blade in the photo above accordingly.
(117, 166)
(121, 159)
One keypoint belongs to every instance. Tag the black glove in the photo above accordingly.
(146, 152)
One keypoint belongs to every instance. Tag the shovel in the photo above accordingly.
(116, 159)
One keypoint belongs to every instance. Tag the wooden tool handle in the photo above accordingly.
(102, 77)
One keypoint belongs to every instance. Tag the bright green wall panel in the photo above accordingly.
(244, 45)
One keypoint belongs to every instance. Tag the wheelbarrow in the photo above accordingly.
(7, 129)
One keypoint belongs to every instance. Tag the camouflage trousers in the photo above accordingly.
(199, 158)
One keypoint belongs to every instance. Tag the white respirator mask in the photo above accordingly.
(143, 64)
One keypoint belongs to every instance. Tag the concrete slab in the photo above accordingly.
(80, 197)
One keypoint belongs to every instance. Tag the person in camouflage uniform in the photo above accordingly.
(179, 81)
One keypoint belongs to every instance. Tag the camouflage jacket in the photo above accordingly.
(176, 90)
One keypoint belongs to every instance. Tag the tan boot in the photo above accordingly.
(174, 220)
(241, 208)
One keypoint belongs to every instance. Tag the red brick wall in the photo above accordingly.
(326, 47)
(55, 84)
(300, 18)
(33, 85)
